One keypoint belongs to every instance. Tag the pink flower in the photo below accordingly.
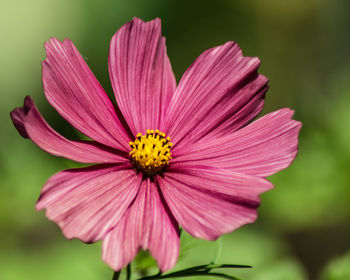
(206, 178)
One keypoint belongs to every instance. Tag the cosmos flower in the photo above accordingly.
(166, 156)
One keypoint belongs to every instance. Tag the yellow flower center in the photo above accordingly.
(150, 153)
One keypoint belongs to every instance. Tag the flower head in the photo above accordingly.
(166, 155)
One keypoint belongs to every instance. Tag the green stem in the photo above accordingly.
(116, 275)
(219, 249)
(128, 272)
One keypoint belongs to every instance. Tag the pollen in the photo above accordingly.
(150, 153)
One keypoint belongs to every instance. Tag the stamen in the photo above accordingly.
(150, 153)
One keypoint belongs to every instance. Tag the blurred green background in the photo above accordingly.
(303, 230)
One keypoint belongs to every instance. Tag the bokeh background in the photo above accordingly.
(303, 230)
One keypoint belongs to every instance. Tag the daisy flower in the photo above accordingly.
(166, 156)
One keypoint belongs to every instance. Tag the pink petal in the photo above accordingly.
(261, 149)
(221, 91)
(72, 89)
(221, 181)
(212, 204)
(141, 74)
(87, 202)
(147, 225)
(31, 124)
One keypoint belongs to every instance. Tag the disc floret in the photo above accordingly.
(150, 153)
